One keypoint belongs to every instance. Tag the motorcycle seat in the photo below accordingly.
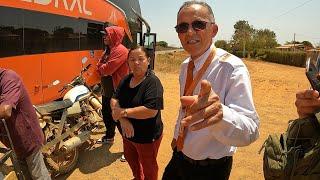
(53, 106)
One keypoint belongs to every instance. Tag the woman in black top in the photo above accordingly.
(136, 105)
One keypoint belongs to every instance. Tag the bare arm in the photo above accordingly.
(139, 112)
(114, 103)
(126, 126)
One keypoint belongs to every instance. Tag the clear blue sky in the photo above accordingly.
(284, 17)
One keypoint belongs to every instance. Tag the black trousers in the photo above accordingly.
(180, 168)
(107, 117)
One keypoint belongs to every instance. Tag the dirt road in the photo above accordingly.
(274, 88)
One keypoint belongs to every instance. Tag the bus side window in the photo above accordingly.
(90, 36)
(49, 33)
(11, 32)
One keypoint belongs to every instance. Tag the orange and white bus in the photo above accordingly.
(45, 40)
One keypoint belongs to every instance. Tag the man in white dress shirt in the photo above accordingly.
(220, 115)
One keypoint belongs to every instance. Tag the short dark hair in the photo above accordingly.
(142, 48)
(202, 3)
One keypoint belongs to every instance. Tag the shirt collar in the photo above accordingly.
(200, 60)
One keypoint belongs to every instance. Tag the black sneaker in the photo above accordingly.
(105, 140)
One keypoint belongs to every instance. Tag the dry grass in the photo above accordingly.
(170, 62)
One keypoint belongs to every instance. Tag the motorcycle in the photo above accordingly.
(69, 123)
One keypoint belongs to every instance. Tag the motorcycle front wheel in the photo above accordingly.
(60, 162)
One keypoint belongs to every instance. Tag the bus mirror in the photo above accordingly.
(84, 60)
(149, 40)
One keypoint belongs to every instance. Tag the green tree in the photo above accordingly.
(162, 44)
(264, 39)
(242, 37)
(222, 44)
(307, 44)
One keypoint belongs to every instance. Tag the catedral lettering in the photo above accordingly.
(80, 4)
(45, 40)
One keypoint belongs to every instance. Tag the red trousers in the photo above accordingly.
(142, 158)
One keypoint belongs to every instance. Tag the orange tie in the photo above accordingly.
(182, 132)
(189, 77)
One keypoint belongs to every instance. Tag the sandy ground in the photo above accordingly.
(274, 88)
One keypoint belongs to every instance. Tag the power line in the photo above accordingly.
(287, 12)
(307, 36)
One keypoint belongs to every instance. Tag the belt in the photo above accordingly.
(204, 162)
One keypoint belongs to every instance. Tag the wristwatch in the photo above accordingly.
(125, 113)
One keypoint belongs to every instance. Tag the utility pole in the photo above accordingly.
(244, 49)
(243, 45)
(294, 41)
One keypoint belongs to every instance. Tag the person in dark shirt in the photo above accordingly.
(136, 104)
(23, 125)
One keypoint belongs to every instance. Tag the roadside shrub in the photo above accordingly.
(240, 54)
(281, 57)
(260, 54)
(289, 58)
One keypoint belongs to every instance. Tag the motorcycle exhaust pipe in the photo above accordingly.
(95, 103)
(75, 141)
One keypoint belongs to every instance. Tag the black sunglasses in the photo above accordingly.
(196, 25)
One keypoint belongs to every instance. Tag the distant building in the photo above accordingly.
(314, 50)
(292, 47)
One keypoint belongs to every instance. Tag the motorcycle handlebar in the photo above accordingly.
(86, 68)
(76, 80)
(64, 88)
(61, 90)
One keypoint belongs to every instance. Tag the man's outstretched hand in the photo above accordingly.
(205, 109)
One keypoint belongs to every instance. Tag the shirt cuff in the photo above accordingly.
(224, 127)
(235, 129)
